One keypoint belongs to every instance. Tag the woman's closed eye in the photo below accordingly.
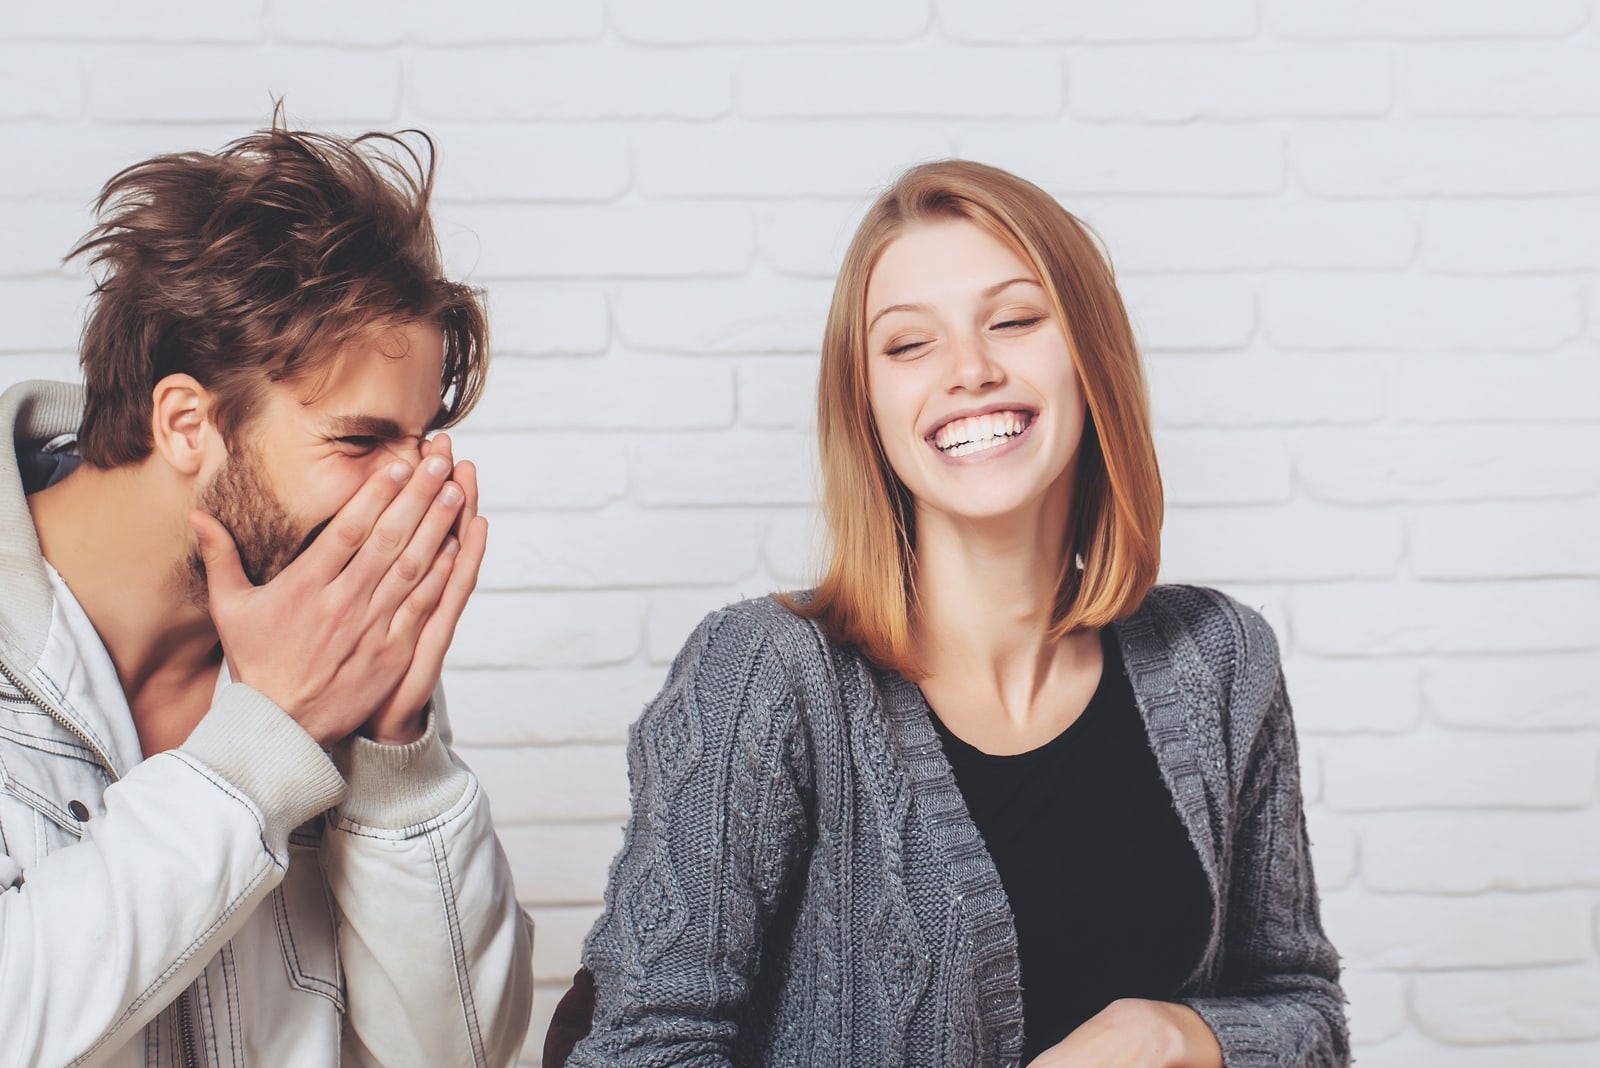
(903, 348)
(1018, 322)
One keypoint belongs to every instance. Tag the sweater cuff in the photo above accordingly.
(1248, 1035)
(398, 786)
(256, 746)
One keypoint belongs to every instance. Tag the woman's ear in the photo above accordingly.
(181, 427)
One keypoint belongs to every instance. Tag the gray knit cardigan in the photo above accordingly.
(801, 884)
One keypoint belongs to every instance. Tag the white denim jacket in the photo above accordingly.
(245, 899)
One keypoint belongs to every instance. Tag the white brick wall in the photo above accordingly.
(1359, 240)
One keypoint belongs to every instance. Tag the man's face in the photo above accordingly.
(311, 444)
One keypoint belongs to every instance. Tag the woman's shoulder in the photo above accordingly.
(1210, 624)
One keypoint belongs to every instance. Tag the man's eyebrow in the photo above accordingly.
(366, 426)
(991, 291)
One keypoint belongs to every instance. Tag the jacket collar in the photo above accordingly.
(36, 412)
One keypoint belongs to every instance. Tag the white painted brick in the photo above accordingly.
(1189, 312)
(107, 20)
(1411, 1051)
(1377, 1008)
(927, 81)
(391, 22)
(1494, 237)
(781, 159)
(1425, 19)
(622, 547)
(40, 82)
(610, 392)
(1070, 159)
(562, 930)
(551, 782)
(1300, 543)
(1028, 21)
(1537, 692)
(42, 314)
(518, 706)
(1480, 388)
(778, 392)
(71, 163)
(524, 161)
(60, 367)
(1311, 773)
(1454, 463)
(318, 85)
(808, 238)
(1448, 157)
(36, 236)
(737, 22)
(1212, 234)
(1420, 931)
(1512, 1006)
(1440, 853)
(795, 547)
(737, 467)
(609, 241)
(1383, 619)
(673, 615)
(1333, 848)
(560, 863)
(548, 319)
(354, 23)
(1504, 79)
(569, 82)
(567, 21)
(1343, 311)
(509, 630)
(587, 477)
(1237, 392)
(1180, 83)
(1212, 467)
(755, 314)
(1354, 696)
(1528, 539)
(1432, 768)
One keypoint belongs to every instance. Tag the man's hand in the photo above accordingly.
(1134, 1033)
(400, 720)
(331, 638)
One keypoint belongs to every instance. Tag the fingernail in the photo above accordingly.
(451, 544)
(438, 466)
(399, 471)
(451, 493)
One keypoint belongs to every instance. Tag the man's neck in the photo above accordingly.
(119, 541)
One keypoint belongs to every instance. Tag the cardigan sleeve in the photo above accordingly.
(719, 774)
(1278, 1003)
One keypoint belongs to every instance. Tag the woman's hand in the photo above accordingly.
(1132, 1033)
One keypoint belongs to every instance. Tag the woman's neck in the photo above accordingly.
(985, 604)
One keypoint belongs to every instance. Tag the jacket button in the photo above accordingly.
(79, 810)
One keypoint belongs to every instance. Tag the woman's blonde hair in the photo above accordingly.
(867, 594)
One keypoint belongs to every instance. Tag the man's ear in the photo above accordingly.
(181, 427)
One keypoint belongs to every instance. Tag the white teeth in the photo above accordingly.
(976, 433)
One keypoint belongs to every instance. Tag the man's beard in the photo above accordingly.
(266, 536)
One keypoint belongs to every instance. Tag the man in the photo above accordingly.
(231, 831)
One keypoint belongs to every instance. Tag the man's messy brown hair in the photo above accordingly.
(257, 264)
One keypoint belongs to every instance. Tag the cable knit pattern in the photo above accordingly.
(801, 883)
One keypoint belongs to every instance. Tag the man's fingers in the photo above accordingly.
(225, 575)
(418, 605)
(347, 532)
(397, 526)
(427, 541)
(466, 476)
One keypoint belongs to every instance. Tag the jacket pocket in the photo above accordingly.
(308, 931)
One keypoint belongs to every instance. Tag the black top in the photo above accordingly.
(1106, 889)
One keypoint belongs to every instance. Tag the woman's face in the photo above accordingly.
(971, 382)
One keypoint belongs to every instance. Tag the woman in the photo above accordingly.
(984, 796)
